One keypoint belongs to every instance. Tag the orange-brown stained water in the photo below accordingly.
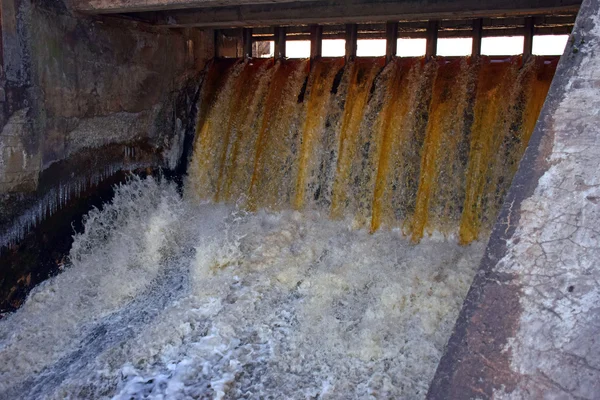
(275, 150)
(447, 110)
(420, 146)
(393, 114)
(362, 75)
(319, 93)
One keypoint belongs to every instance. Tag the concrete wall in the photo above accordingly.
(82, 98)
(71, 86)
(530, 326)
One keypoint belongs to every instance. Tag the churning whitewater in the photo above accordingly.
(167, 298)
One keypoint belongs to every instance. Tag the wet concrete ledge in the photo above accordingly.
(530, 325)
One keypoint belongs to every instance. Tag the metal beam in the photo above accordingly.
(391, 40)
(541, 21)
(316, 41)
(351, 41)
(432, 38)
(422, 34)
(247, 42)
(279, 42)
(355, 11)
(528, 42)
(477, 36)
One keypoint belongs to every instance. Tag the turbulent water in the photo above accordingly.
(167, 298)
(289, 268)
(421, 146)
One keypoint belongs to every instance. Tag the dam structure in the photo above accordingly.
(189, 211)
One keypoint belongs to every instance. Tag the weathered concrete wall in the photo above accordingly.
(82, 98)
(530, 326)
(74, 84)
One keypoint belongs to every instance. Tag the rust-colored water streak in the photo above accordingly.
(275, 152)
(399, 100)
(320, 83)
(420, 146)
(362, 74)
(444, 133)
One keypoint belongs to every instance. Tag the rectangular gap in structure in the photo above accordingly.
(298, 48)
(455, 47)
(334, 48)
(502, 45)
(263, 49)
(549, 45)
(370, 47)
(411, 47)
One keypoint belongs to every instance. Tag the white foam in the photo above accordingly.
(235, 305)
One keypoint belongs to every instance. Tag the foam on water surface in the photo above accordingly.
(165, 298)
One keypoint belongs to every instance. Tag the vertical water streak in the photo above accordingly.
(392, 117)
(217, 101)
(362, 74)
(408, 134)
(529, 92)
(493, 115)
(238, 164)
(319, 92)
(272, 183)
(535, 89)
(439, 185)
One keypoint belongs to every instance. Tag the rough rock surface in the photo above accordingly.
(530, 327)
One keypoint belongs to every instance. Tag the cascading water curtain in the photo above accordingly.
(421, 146)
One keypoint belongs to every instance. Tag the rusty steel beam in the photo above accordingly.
(462, 33)
(528, 32)
(477, 37)
(432, 39)
(316, 41)
(391, 40)
(355, 11)
(280, 42)
(351, 41)
(541, 21)
(247, 42)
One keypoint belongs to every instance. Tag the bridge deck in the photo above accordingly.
(229, 13)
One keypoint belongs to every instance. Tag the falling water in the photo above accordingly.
(288, 269)
(421, 146)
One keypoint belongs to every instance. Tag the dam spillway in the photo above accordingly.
(423, 147)
(181, 218)
(298, 261)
